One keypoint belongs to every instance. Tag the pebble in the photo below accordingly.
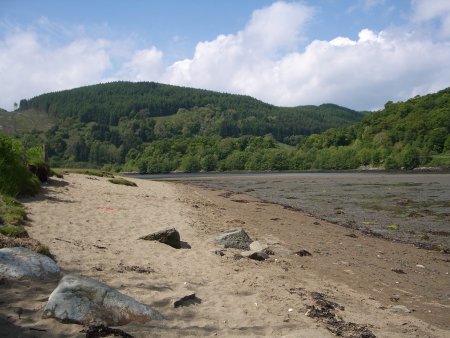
(420, 266)
(400, 308)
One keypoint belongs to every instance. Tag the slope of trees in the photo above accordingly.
(402, 135)
(106, 103)
(102, 124)
(155, 128)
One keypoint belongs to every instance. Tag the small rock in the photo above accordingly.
(282, 251)
(21, 262)
(259, 256)
(420, 266)
(400, 271)
(257, 246)
(302, 253)
(400, 308)
(247, 253)
(235, 238)
(168, 236)
(269, 251)
(187, 301)
(95, 331)
(218, 252)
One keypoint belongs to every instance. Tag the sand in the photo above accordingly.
(92, 227)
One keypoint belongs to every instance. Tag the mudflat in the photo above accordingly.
(350, 284)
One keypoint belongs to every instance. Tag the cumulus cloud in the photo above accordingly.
(144, 65)
(28, 67)
(363, 74)
(269, 59)
(227, 62)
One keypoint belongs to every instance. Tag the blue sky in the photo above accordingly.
(359, 53)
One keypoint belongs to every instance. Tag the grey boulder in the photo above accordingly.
(169, 236)
(87, 301)
(235, 238)
(18, 263)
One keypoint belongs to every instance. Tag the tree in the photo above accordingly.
(410, 158)
(190, 164)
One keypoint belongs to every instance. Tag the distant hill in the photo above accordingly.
(107, 103)
(109, 123)
(3, 110)
(151, 127)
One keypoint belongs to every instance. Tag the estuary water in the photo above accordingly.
(409, 207)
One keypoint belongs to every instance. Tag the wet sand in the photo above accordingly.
(93, 226)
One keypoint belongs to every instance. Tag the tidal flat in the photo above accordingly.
(407, 207)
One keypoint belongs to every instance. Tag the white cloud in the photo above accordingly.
(28, 67)
(426, 10)
(144, 65)
(265, 60)
(231, 62)
(363, 74)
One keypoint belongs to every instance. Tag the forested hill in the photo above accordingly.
(107, 103)
(402, 135)
(154, 128)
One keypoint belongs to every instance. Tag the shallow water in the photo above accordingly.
(412, 207)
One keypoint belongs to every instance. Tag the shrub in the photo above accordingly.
(15, 178)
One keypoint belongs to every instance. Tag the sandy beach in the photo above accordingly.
(92, 228)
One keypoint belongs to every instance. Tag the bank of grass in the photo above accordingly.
(19, 172)
(90, 172)
(11, 212)
(122, 181)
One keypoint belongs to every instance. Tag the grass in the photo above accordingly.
(369, 222)
(25, 120)
(442, 160)
(11, 211)
(122, 181)
(12, 216)
(57, 173)
(44, 250)
(13, 231)
(90, 172)
(393, 227)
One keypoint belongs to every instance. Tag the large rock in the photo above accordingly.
(21, 262)
(86, 301)
(168, 236)
(235, 238)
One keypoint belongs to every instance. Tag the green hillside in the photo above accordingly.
(109, 123)
(24, 120)
(152, 128)
(402, 135)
